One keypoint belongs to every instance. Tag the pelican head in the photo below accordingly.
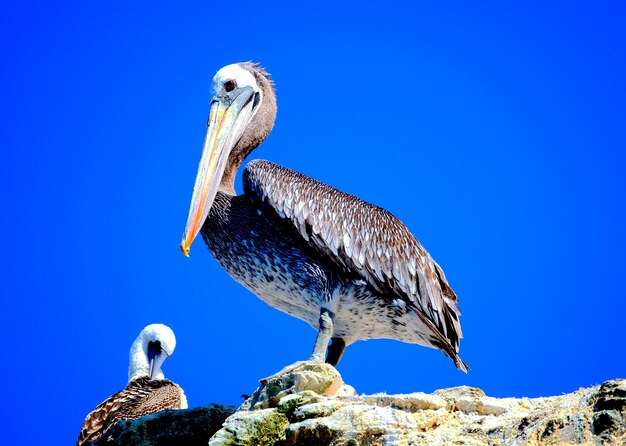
(151, 348)
(242, 113)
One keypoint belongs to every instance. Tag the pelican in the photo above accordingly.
(348, 268)
(147, 391)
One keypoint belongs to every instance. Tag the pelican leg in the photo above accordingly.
(335, 351)
(324, 333)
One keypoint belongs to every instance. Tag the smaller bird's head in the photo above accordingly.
(153, 346)
(242, 113)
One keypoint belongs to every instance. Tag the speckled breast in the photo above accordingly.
(265, 258)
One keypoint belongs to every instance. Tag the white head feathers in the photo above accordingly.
(236, 72)
(153, 345)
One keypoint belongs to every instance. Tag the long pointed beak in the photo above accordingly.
(152, 369)
(155, 363)
(228, 119)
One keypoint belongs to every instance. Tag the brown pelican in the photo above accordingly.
(348, 268)
(147, 391)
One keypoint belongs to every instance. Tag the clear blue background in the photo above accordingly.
(496, 132)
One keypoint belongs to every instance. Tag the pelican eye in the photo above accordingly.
(230, 85)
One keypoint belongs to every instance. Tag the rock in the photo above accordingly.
(251, 428)
(190, 427)
(609, 416)
(320, 379)
(308, 404)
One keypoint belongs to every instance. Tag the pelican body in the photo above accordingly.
(350, 269)
(147, 391)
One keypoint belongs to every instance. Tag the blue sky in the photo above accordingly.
(496, 132)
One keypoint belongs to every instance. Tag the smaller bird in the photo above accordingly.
(147, 391)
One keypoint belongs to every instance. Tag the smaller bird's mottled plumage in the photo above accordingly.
(143, 395)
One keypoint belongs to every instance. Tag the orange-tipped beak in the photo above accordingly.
(228, 119)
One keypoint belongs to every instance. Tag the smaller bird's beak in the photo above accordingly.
(155, 363)
(228, 118)
(152, 368)
(156, 356)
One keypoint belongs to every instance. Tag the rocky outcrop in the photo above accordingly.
(190, 427)
(308, 404)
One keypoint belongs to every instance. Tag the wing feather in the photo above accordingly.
(363, 239)
(141, 397)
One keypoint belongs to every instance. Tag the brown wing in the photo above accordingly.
(364, 239)
(141, 397)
